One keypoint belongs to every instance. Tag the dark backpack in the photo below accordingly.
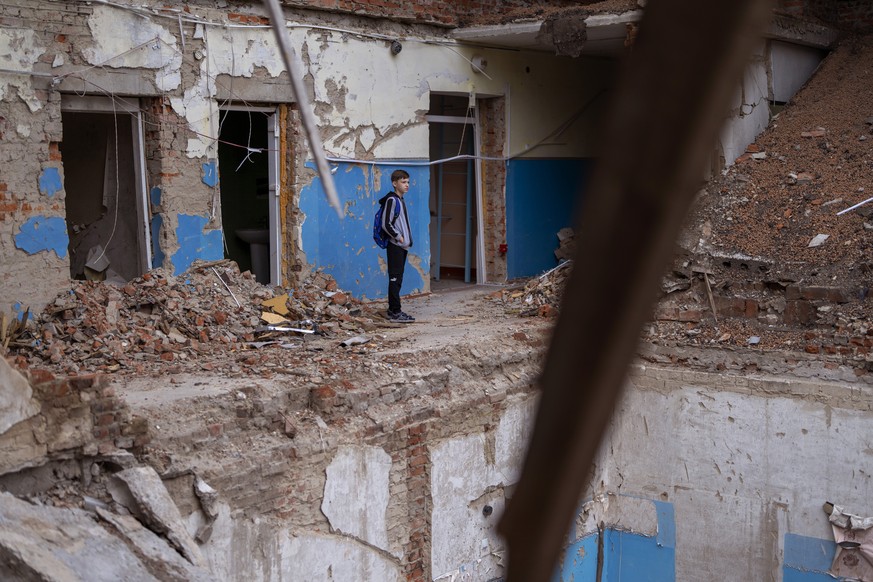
(379, 235)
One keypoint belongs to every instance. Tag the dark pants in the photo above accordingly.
(396, 266)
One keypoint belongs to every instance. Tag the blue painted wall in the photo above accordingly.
(807, 559)
(541, 199)
(50, 182)
(579, 562)
(195, 243)
(345, 248)
(43, 233)
(627, 557)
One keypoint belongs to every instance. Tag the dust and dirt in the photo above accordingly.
(813, 161)
(528, 13)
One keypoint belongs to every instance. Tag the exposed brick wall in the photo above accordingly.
(443, 12)
(854, 15)
(293, 156)
(282, 474)
(492, 116)
(79, 415)
(797, 307)
(177, 176)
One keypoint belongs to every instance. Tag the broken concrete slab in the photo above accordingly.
(47, 543)
(160, 558)
(16, 397)
(141, 490)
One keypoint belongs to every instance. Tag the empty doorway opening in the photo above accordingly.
(104, 183)
(454, 207)
(247, 165)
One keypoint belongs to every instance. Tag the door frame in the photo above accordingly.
(72, 103)
(480, 229)
(274, 213)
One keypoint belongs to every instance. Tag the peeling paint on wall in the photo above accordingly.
(210, 173)
(238, 51)
(43, 233)
(807, 559)
(50, 181)
(195, 243)
(235, 52)
(467, 474)
(125, 40)
(638, 541)
(199, 109)
(356, 494)
(19, 51)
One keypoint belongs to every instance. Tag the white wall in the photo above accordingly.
(776, 72)
(791, 65)
(743, 461)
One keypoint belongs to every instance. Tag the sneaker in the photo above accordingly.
(400, 317)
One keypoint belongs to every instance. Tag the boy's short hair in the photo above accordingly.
(399, 175)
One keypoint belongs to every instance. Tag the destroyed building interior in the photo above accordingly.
(198, 379)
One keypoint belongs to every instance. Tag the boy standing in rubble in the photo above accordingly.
(395, 222)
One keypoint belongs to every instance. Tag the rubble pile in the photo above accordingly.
(540, 296)
(566, 244)
(792, 216)
(784, 199)
(162, 319)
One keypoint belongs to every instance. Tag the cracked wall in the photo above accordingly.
(370, 105)
(742, 465)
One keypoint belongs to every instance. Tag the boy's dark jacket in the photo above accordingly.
(395, 221)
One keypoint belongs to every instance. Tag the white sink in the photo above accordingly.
(254, 236)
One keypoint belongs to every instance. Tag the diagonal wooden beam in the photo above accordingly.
(310, 125)
(669, 105)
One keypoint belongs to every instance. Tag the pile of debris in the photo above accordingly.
(540, 296)
(158, 318)
(566, 244)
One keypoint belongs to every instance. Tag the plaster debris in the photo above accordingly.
(818, 240)
(854, 537)
(540, 296)
(16, 402)
(566, 244)
(47, 543)
(148, 499)
(208, 319)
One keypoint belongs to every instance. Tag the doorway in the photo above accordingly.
(454, 206)
(104, 182)
(248, 170)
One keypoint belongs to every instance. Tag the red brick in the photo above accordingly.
(105, 419)
(38, 376)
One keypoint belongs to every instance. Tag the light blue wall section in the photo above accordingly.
(43, 233)
(579, 563)
(345, 248)
(627, 557)
(807, 559)
(630, 557)
(541, 199)
(210, 173)
(50, 182)
(195, 243)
